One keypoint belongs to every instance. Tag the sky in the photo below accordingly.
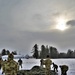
(24, 23)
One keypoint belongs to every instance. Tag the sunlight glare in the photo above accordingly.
(61, 24)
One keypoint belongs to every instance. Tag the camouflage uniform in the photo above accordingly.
(1, 62)
(3, 68)
(64, 69)
(47, 64)
(10, 67)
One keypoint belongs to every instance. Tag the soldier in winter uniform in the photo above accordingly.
(10, 67)
(20, 62)
(64, 69)
(1, 62)
(41, 63)
(3, 66)
(47, 64)
(55, 67)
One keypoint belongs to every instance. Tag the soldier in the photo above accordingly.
(47, 64)
(10, 66)
(64, 69)
(41, 63)
(55, 67)
(4, 61)
(1, 63)
(20, 62)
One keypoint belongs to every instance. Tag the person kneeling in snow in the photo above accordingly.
(64, 69)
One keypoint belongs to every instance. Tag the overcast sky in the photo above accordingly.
(24, 23)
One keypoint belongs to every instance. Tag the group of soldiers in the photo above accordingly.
(48, 62)
(10, 66)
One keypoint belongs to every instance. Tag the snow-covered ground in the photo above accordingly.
(29, 63)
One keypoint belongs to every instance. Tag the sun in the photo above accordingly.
(61, 24)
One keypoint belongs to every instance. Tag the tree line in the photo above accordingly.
(51, 51)
(7, 52)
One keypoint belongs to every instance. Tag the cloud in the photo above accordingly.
(71, 22)
(21, 21)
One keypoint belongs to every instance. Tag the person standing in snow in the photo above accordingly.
(20, 62)
(10, 66)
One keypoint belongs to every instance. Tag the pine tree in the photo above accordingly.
(35, 51)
